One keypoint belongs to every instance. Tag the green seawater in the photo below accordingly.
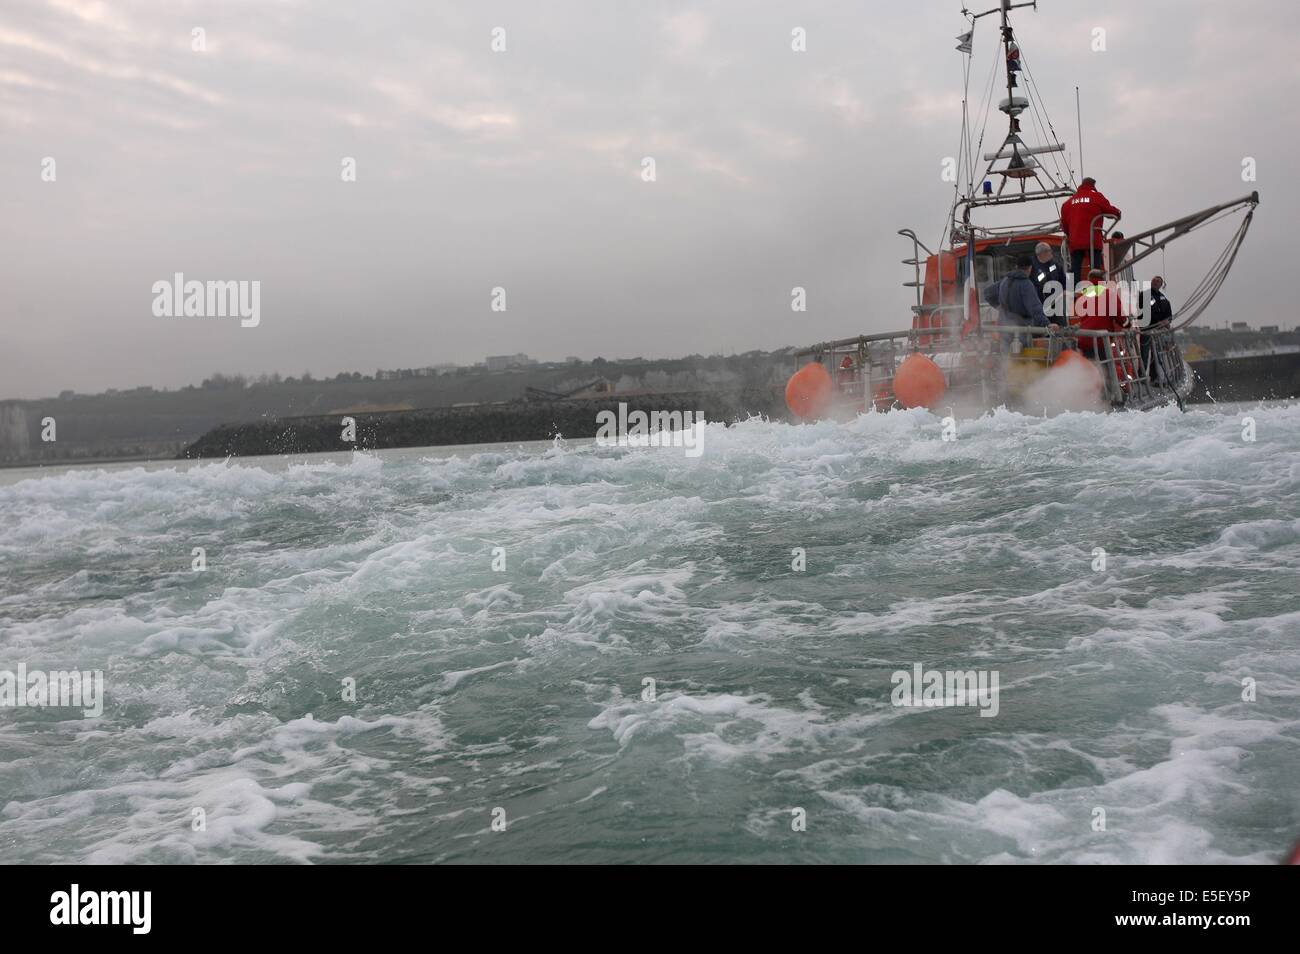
(571, 653)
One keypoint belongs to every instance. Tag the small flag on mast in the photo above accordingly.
(964, 39)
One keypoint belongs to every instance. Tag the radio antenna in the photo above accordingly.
(1078, 119)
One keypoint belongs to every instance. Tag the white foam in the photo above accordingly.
(1123, 686)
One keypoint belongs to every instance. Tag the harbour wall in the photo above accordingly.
(1260, 378)
(1264, 377)
(485, 424)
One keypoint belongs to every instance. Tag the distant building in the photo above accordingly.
(502, 362)
(1269, 329)
(1240, 326)
(401, 374)
(572, 360)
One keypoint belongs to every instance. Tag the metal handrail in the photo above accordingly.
(1092, 231)
(917, 244)
(1131, 372)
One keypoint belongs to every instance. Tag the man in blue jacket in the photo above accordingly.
(1016, 298)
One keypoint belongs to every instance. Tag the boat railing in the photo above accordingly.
(1138, 367)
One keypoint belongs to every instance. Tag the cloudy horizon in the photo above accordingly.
(522, 169)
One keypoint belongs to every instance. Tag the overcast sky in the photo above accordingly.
(523, 169)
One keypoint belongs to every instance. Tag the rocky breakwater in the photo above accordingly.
(476, 424)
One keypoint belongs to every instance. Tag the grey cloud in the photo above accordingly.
(522, 169)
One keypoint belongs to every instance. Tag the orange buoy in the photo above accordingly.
(809, 391)
(918, 382)
(1076, 363)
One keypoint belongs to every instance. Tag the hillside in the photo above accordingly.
(148, 423)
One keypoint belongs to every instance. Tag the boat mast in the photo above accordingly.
(1021, 164)
(1006, 52)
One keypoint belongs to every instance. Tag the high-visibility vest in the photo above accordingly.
(1086, 290)
(1090, 291)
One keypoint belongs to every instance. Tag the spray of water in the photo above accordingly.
(1073, 386)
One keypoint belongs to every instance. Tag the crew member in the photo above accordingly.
(1158, 313)
(1162, 309)
(1084, 290)
(1017, 298)
(1098, 307)
(845, 374)
(1046, 271)
(1081, 226)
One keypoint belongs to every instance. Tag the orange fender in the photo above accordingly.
(809, 392)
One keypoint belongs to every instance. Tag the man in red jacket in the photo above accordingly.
(1099, 307)
(1078, 213)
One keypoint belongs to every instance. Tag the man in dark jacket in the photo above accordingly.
(1159, 317)
(1162, 309)
(1046, 271)
(1017, 298)
(1081, 226)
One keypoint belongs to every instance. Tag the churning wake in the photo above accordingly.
(609, 653)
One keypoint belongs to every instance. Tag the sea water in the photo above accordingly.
(569, 652)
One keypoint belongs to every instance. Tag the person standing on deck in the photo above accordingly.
(844, 376)
(1047, 270)
(1017, 299)
(1098, 308)
(1083, 290)
(1162, 309)
(1161, 316)
(1077, 215)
